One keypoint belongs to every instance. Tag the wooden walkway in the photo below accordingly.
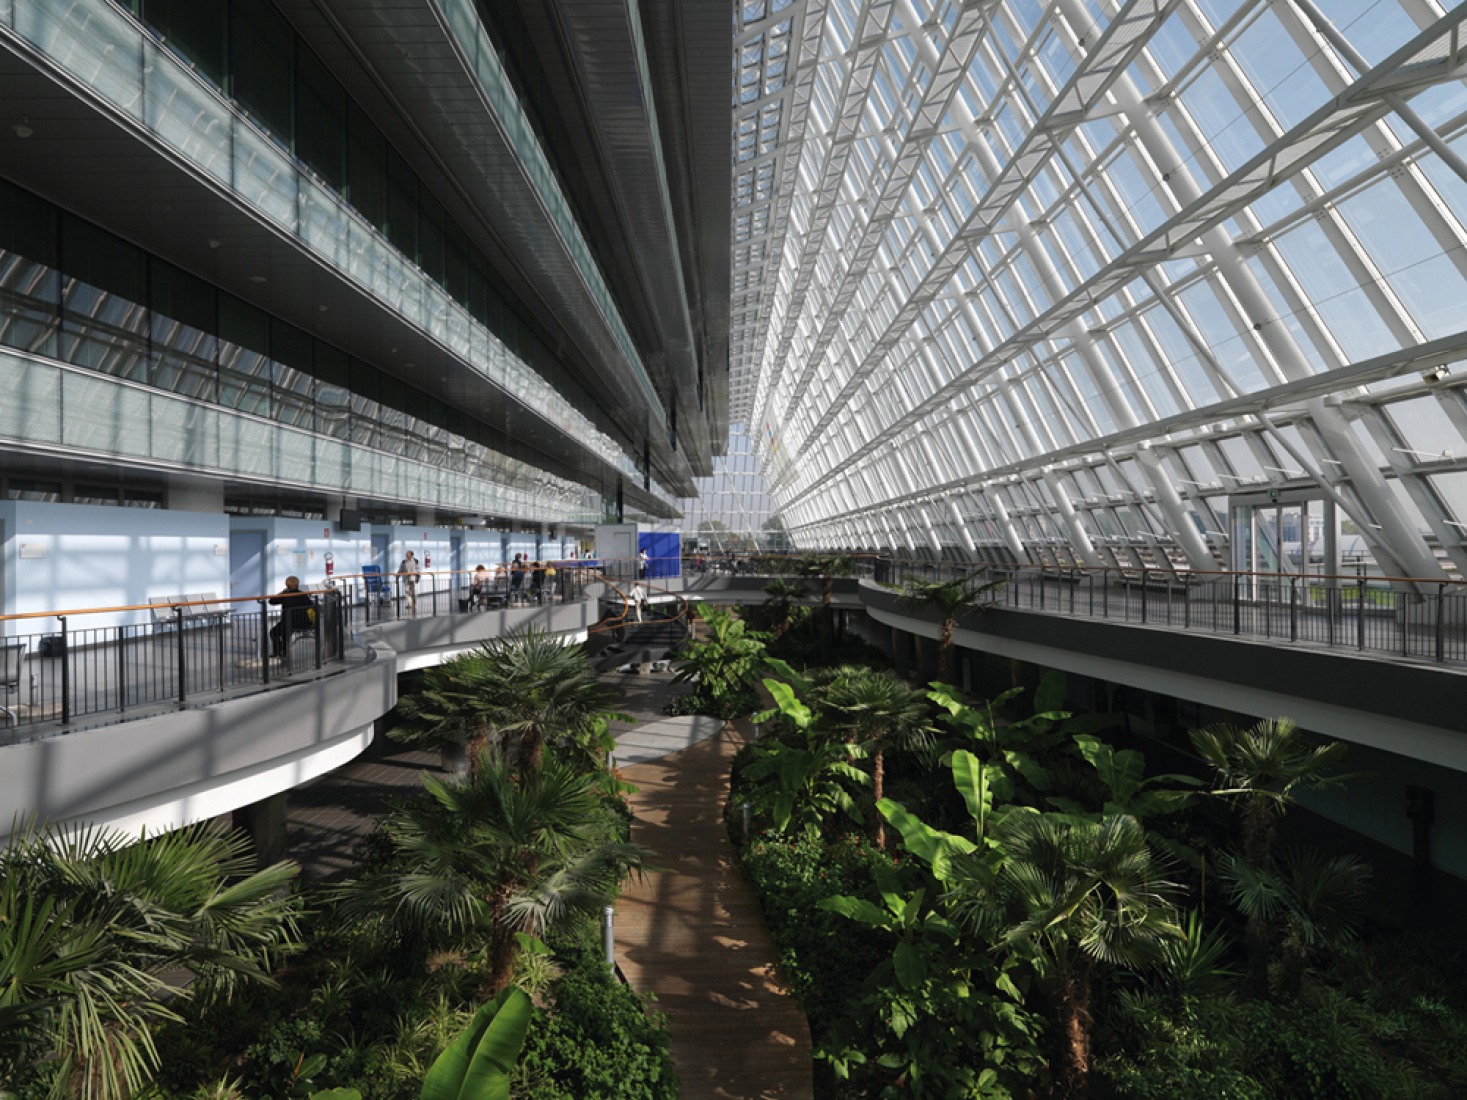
(693, 935)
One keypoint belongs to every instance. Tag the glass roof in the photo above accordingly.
(1074, 282)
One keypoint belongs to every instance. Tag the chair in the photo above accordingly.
(376, 584)
(12, 670)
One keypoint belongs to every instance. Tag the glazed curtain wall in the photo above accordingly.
(1089, 282)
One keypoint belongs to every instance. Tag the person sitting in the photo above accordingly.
(480, 586)
(297, 612)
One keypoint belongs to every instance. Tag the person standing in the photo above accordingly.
(642, 562)
(408, 570)
(516, 577)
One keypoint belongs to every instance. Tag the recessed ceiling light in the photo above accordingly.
(23, 128)
(213, 242)
(323, 308)
(257, 278)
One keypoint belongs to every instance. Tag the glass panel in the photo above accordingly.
(184, 321)
(102, 325)
(30, 285)
(261, 43)
(195, 31)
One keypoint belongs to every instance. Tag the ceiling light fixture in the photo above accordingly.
(23, 128)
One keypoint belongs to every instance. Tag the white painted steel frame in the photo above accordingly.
(1014, 283)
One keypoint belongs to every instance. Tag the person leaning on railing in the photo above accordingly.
(297, 612)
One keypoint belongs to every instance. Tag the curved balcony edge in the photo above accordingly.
(161, 773)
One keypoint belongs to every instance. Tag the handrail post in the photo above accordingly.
(433, 580)
(316, 632)
(1293, 609)
(1441, 615)
(219, 649)
(1144, 586)
(1237, 604)
(182, 657)
(65, 673)
(122, 668)
(340, 628)
(1360, 612)
(265, 640)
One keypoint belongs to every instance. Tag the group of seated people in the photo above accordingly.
(486, 588)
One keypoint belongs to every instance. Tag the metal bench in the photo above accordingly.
(201, 609)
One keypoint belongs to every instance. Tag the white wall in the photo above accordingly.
(483, 548)
(66, 556)
(298, 547)
(526, 543)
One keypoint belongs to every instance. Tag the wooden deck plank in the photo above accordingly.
(693, 935)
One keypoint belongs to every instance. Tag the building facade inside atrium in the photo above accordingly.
(263, 262)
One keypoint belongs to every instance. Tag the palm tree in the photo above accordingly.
(495, 854)
(538, 689)
(826, 567)
(876, 710)
(782, 596)
(1263, 767)
(447, 710)
(951, 600)
(726, 662)
(96, 931)
(1076, 899)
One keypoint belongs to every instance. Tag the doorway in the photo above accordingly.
(246, 563)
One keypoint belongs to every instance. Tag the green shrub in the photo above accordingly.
(596, 1042)
(822, 955)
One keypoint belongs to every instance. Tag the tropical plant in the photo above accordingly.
(446, 709)
(1074, 900)
(539, 690)
(1195, 963)
(877, 711)
(1128, 790)
(1262, 767)
(495, 854)
(951, 600)
(98, 933)
(477, 1065)
(945, 1016)
(1310, 901)
(725, 663)
(825, 568)
(803, 778)
(1016, 750)
(782, 595)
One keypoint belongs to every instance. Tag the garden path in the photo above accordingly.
(693, 934)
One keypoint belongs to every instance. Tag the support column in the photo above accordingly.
(264, 821)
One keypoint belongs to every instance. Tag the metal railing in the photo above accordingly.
(1409, 618)
(191, 648)
(57, 673)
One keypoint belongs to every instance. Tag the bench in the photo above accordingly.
(203, 610)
